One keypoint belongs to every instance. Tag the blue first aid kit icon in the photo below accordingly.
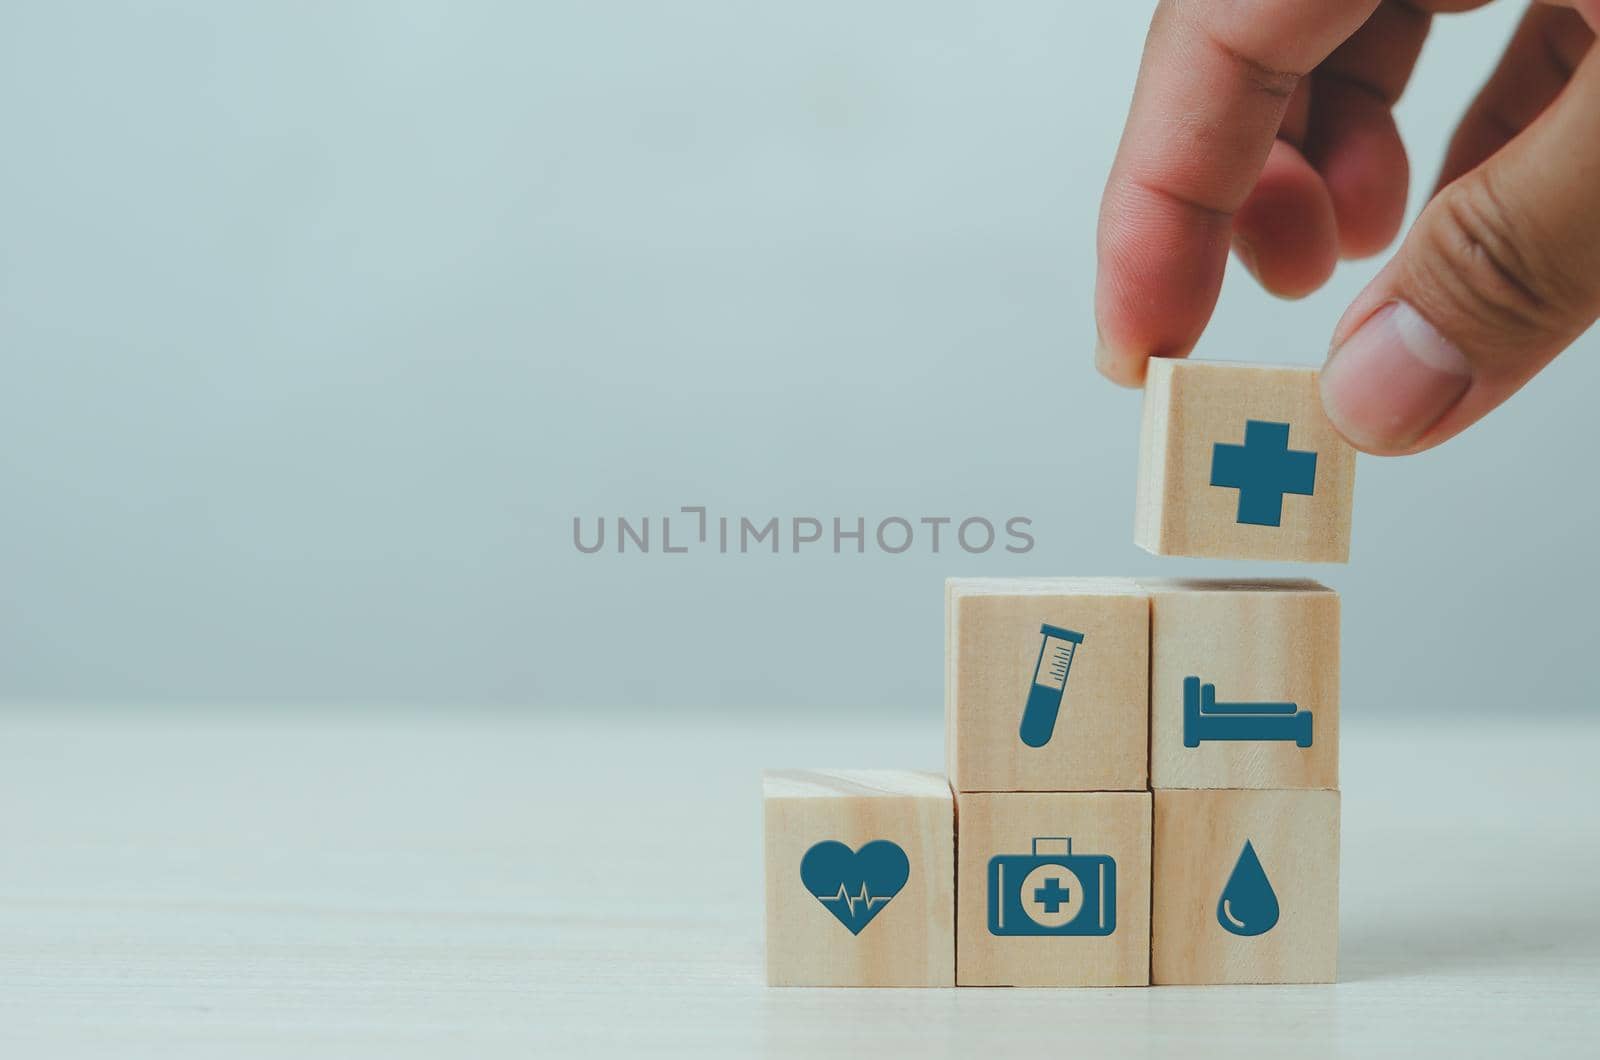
(1052, 893)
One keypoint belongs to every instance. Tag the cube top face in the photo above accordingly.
(1239, 461)
(853, 783)
(1046, 684)
(1245, 887)
(1244, 684)
(1055, 889)
(860, 878)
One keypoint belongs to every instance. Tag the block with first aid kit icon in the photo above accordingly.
(1054, 888)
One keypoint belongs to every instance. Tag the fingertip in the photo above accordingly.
(1160, 269)
(1355, 146)
(1286, 233)
(1388, 385)
(1291, 283)
(1121, 369)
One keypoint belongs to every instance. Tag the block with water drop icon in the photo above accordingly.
(1244, 887)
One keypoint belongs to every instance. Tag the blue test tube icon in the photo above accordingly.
(1056, 648)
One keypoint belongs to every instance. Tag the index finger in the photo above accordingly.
(1213, 85)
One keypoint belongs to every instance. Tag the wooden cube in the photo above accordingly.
(1054, 889)
(1046, 684)
(860, 878)
(1246, 887)
(1244, 684)
(1239, 461)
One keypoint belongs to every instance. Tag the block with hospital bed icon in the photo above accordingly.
(1244, 683)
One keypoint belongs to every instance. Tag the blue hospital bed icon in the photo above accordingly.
(1206, 719)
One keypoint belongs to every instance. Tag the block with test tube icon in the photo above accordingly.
(1046, 684)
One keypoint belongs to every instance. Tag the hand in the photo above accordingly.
(1266, 125)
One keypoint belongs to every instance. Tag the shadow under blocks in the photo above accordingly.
(1142, 775)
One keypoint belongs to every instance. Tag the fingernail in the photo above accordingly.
(1107, 362)
(1104, 360)
(1387, 384)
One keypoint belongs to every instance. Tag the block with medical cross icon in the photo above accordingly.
(1054, 888)
(1238, 461)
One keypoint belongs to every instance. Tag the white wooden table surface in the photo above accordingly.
(352, 883)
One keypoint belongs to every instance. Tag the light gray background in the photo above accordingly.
(320, 322)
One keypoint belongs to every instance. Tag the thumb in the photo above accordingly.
(1499, 274)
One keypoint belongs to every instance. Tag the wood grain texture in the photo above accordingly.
(1199, 836)
(1189, 407)
(911, 941)
(992, 646)
(1116, 824)
(1255, 641)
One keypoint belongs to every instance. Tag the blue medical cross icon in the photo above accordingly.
(1263, 469)
(1052, 895)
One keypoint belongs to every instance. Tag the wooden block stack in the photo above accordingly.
(1244, 760)
(1046, 712)
(1142, 774)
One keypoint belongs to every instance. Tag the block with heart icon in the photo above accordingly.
(860, 878)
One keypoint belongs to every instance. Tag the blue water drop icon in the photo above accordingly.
(1248, 905)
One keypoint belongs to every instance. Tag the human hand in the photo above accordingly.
(1266, 125)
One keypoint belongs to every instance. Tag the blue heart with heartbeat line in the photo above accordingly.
(854, 885)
